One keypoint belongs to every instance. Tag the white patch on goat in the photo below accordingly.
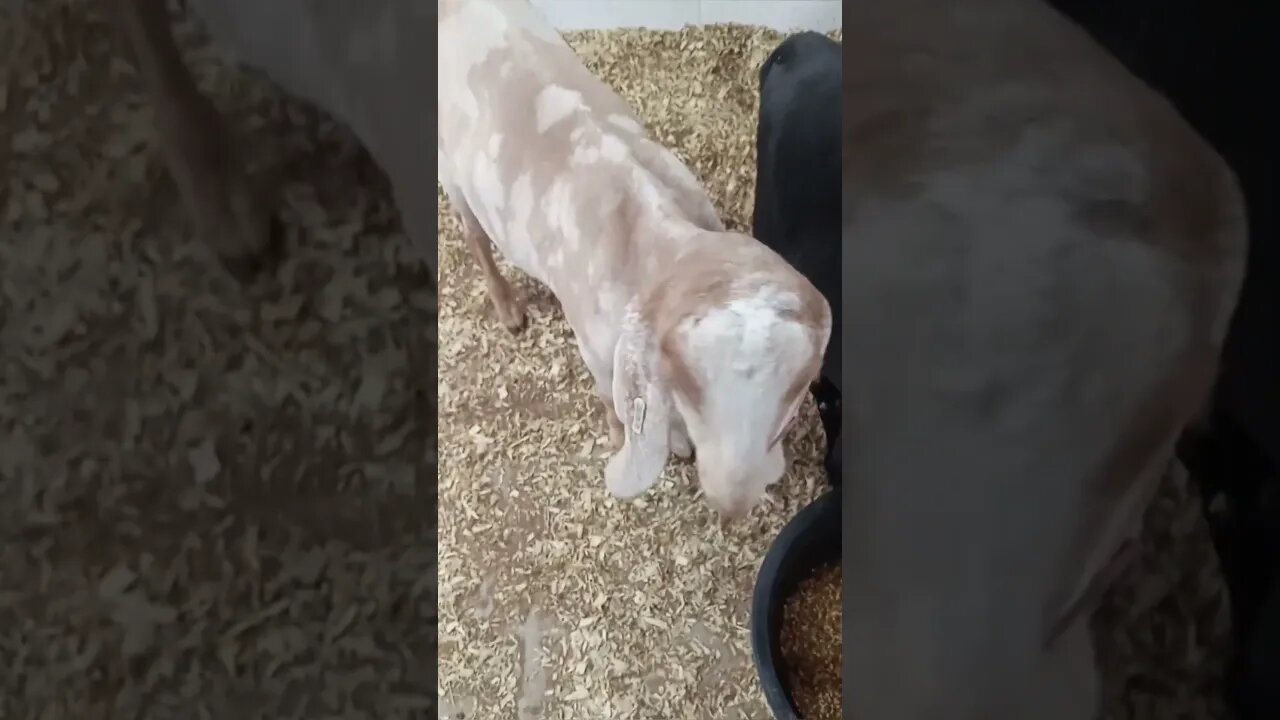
(642, 184)
(584, 154)
(518, 243)
(553, 104)
(492, 195)
(613, 149)
(495, 145)
(485, 179)
(781, 301)
(466, 38)
(562, 214)
(613, 299)
(600, 333)
(622, 122)
(750, 320)
(521, 204)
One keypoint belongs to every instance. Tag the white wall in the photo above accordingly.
(785, 15)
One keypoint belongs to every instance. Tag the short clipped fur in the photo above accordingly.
(696, 337)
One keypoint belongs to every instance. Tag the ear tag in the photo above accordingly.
(637, 415)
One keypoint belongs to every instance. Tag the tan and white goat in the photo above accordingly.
(1042, 260)
(685, 327)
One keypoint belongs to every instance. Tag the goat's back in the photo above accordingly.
(557, 168)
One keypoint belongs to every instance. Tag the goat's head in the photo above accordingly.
(730, 339)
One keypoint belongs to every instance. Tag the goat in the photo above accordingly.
(358, 61)
(797, 199)
(1042, 261)
(697, 338)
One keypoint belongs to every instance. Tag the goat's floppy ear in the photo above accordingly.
(643, 407)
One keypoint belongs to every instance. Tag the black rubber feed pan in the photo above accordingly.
(811, 539)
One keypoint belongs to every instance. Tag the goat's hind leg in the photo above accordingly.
(505, 301)
(229, 212)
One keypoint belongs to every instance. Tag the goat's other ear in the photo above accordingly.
(643, 407)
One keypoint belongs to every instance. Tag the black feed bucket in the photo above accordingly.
(810, 540)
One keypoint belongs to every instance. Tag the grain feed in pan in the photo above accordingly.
(811, 645)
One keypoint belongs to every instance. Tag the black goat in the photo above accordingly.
(798, 180)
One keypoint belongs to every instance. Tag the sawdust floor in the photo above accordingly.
(558, 602)
(215, 501)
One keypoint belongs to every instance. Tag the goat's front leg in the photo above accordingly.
(600, 365)
(681, 445)
(617, 434)
(229, 213)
